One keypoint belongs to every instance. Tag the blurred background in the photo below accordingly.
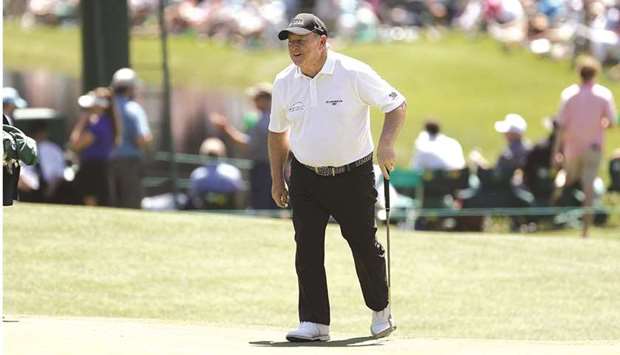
(199, 70)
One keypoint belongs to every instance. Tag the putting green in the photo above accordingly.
(98, 336)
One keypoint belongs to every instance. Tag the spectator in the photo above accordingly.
(586, 110)
(538, 175)
(506, 21)
(41, 182)
(214, 185)
(436, 151)
(186, 14)
(469, 19)
(127, 158)
(11, 168)
(514, 156)
(51, 12)
(141, 10)
(16, 147)
(500, 185)
(255, 144)
(11, 101)
(94, 137)
(614, 171)
(603, 31)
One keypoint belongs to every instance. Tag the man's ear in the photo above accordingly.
(324, 41)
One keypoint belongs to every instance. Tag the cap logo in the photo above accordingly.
(307, 22)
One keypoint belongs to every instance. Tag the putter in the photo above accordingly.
(386, 192)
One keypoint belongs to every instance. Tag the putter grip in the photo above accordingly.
(386, 193)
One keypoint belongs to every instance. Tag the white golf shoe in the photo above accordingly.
(309, 331)
(382, 323)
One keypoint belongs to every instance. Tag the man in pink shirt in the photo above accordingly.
(586, 110)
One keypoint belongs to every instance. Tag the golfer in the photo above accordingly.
(320, 114)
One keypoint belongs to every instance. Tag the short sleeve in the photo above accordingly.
(375, 91)
(141, 120)
(610, 111)
(561, 118)
(278, 122)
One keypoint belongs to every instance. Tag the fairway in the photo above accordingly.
(225, 272)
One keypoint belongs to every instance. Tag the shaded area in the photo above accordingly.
(349, 342)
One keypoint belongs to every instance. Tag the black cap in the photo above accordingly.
(302, 24)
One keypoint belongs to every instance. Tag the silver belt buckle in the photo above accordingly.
(325, 170)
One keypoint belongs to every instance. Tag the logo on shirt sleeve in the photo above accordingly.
(393, 95)
(297, 106)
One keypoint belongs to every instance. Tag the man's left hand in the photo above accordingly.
(387, 159)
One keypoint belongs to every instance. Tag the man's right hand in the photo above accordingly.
(218, 120)
(279, 193)
(278, 154)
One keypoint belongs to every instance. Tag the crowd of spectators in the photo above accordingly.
(254, 144)
(107, 145)
(546, 174)
(555, 28)
(109, 140)
(112, 133)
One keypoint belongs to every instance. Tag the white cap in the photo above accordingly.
(513, 123)
(260, 88)
(11, 96)
(90, 100)
(213, 146)
(124, 77)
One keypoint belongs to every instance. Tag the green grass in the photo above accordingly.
(466, 83)
(236, 271)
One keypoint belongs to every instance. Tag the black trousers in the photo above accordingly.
(125, 183)
(350, 198)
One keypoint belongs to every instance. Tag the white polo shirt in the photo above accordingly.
(329, 115)
(437, 153)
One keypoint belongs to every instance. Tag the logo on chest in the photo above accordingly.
(334, 102)
(297, 106)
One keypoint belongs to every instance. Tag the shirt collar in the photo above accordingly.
(328, 66)
(588, 84)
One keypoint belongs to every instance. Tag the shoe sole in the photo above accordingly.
(384, 333)
(295, 339)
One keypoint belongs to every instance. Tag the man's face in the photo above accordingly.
(8, 109)
(262, 102)
(305, 49)
(512, 136)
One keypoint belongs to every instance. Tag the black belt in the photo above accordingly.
(335, 170)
